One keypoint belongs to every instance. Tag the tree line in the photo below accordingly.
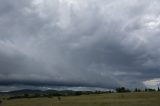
(123, 90)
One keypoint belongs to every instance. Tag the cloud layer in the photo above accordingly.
(88, 43)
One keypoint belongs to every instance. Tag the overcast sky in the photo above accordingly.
(79, 43)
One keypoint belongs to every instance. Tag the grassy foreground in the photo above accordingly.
(113, 99)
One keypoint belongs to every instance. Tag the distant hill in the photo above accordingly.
(23, 91)
(45, 92)
(29, 93)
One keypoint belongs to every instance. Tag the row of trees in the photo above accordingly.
(123, 89)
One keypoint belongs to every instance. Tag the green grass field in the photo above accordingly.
(114, 99)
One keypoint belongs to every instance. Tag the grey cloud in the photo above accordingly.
(79, 43)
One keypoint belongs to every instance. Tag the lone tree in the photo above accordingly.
(137, 90)
(59, 98)
(122, 89)
(26, 95)
(0, 101)
(158, 89)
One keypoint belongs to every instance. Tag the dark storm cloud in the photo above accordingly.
(105, 43)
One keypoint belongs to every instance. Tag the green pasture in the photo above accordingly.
(113, 99)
